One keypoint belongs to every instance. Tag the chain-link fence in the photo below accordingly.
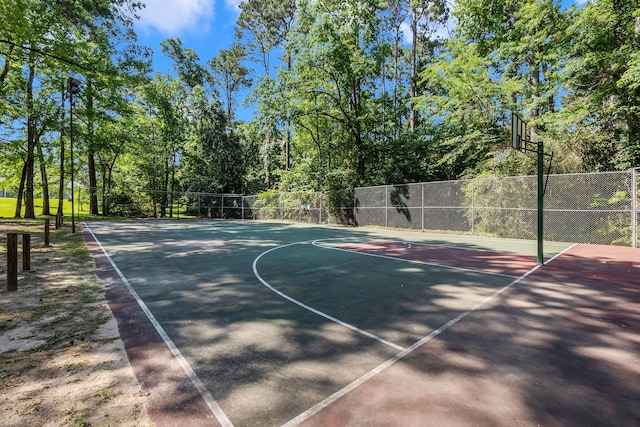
(307, 207)
(166, 204)
(587, 208)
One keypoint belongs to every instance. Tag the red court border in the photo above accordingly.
(173, 399)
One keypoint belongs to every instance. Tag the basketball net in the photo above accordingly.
(501, 153)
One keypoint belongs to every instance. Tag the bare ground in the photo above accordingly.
(62, 362)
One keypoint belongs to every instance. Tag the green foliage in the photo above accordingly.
(602, 74)
(502, 206)
(362, 93)
(128, 203)
(339, 191)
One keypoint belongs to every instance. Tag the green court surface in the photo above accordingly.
(279, 321)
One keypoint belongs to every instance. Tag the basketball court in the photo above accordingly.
(252, 323)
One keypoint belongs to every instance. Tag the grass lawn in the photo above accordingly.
(8, 207)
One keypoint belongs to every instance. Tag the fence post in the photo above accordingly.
(26, 251)
(422, 205)
(473, 205)
(46, 232)
(12, 262)
(386, 206)
(354, 209)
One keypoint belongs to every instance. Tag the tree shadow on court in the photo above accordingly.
(262, 358)
(560, 348)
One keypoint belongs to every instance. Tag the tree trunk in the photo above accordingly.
(287, 143)
(60, 211)
(91, 161)
(535, 113)
(93, 183)
(105, 206)
(413, 114)
(46, 210)
(21, 191)
(165, 186)
(7, 65)
(107, 184)
(29, 210)
(383, 104)
(361, 158)
(396, 76)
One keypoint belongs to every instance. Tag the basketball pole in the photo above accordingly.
(540, 202)
(520, 142)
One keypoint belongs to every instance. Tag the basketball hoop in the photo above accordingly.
(501, 153)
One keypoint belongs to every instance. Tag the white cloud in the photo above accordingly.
(443, 31)
(233, 4)
(406, 32)
(172, 17)
(446, 30)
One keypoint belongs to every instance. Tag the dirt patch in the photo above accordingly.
(62, 362)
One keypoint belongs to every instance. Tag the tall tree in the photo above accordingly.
(43, 36)
(214, 162)
(263, 26)
(229, 74)
(465, 108)
(166, 101)
(185, 63)
(335, 68)
(603, 74)
(424, 18)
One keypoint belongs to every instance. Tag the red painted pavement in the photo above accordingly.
(473, 259)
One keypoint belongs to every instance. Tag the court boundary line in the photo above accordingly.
(389, 362)
(311, 309)
(412, 261)
(213, 405)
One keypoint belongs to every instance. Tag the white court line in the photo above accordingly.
(199, 385)
(311, 309)
(469, 270)
(366, 377)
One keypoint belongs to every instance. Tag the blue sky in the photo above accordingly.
(205, 26)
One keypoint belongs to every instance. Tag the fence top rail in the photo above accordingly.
(409, 183)
(197, 193)
(498, 177)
